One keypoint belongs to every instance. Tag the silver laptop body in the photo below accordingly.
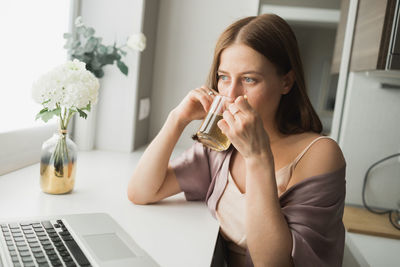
(99, 237)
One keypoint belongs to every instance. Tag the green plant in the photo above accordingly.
(83, 45)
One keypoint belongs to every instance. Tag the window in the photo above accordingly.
(32, 44)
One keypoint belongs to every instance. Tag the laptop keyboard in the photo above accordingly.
(42, 243)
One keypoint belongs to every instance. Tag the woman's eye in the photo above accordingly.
(223, 77)
(249, 80)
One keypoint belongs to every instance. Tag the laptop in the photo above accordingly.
(93, 239)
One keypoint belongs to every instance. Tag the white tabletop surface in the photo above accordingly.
(174, 232)
(374, 251)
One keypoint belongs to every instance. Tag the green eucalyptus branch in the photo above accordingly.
(82, 44)
(85, 46)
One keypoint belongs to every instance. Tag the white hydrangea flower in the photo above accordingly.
(68, 86)
(137, 42)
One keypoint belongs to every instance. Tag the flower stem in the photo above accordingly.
(59, 156)
(61, 123)
(61, 149)
(69, 117)
(64, 118)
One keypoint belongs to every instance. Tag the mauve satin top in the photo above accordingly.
(313, 208)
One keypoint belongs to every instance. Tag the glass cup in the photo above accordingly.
(209, 133)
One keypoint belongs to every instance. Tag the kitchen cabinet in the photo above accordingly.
(371, 38)
(372, 34)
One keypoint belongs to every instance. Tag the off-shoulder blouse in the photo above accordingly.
(313, 208)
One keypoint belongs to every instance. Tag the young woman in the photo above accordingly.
(278, 191)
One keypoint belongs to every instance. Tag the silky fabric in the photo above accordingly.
(232, 203)
(313, 208)
(230, 210)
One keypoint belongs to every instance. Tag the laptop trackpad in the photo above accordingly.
(108, 247)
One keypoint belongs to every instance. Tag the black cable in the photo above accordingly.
(390, 212)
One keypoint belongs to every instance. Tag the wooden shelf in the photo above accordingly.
(360, 220)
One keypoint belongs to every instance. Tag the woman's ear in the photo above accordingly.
(288, 81)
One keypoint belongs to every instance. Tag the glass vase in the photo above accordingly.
(58, 164)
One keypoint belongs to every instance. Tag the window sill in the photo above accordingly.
(21, 148)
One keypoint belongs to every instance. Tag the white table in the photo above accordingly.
(174, 232)
(373, 251)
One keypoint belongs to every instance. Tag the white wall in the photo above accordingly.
(115, 21)
(371, 131)
(187, 33)
(146, 71)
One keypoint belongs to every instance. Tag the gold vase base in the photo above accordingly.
(52, 183)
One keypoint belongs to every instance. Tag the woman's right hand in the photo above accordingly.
(195, 105)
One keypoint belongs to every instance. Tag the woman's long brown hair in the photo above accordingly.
(272, 37)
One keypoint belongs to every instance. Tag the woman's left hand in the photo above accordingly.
(245, 129)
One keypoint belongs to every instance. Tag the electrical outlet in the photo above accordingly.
(144, 108)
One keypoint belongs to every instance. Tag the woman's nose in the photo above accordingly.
(235, 89)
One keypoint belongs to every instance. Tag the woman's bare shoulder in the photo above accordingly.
(323, 156)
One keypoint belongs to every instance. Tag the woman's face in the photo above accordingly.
(244, 71)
